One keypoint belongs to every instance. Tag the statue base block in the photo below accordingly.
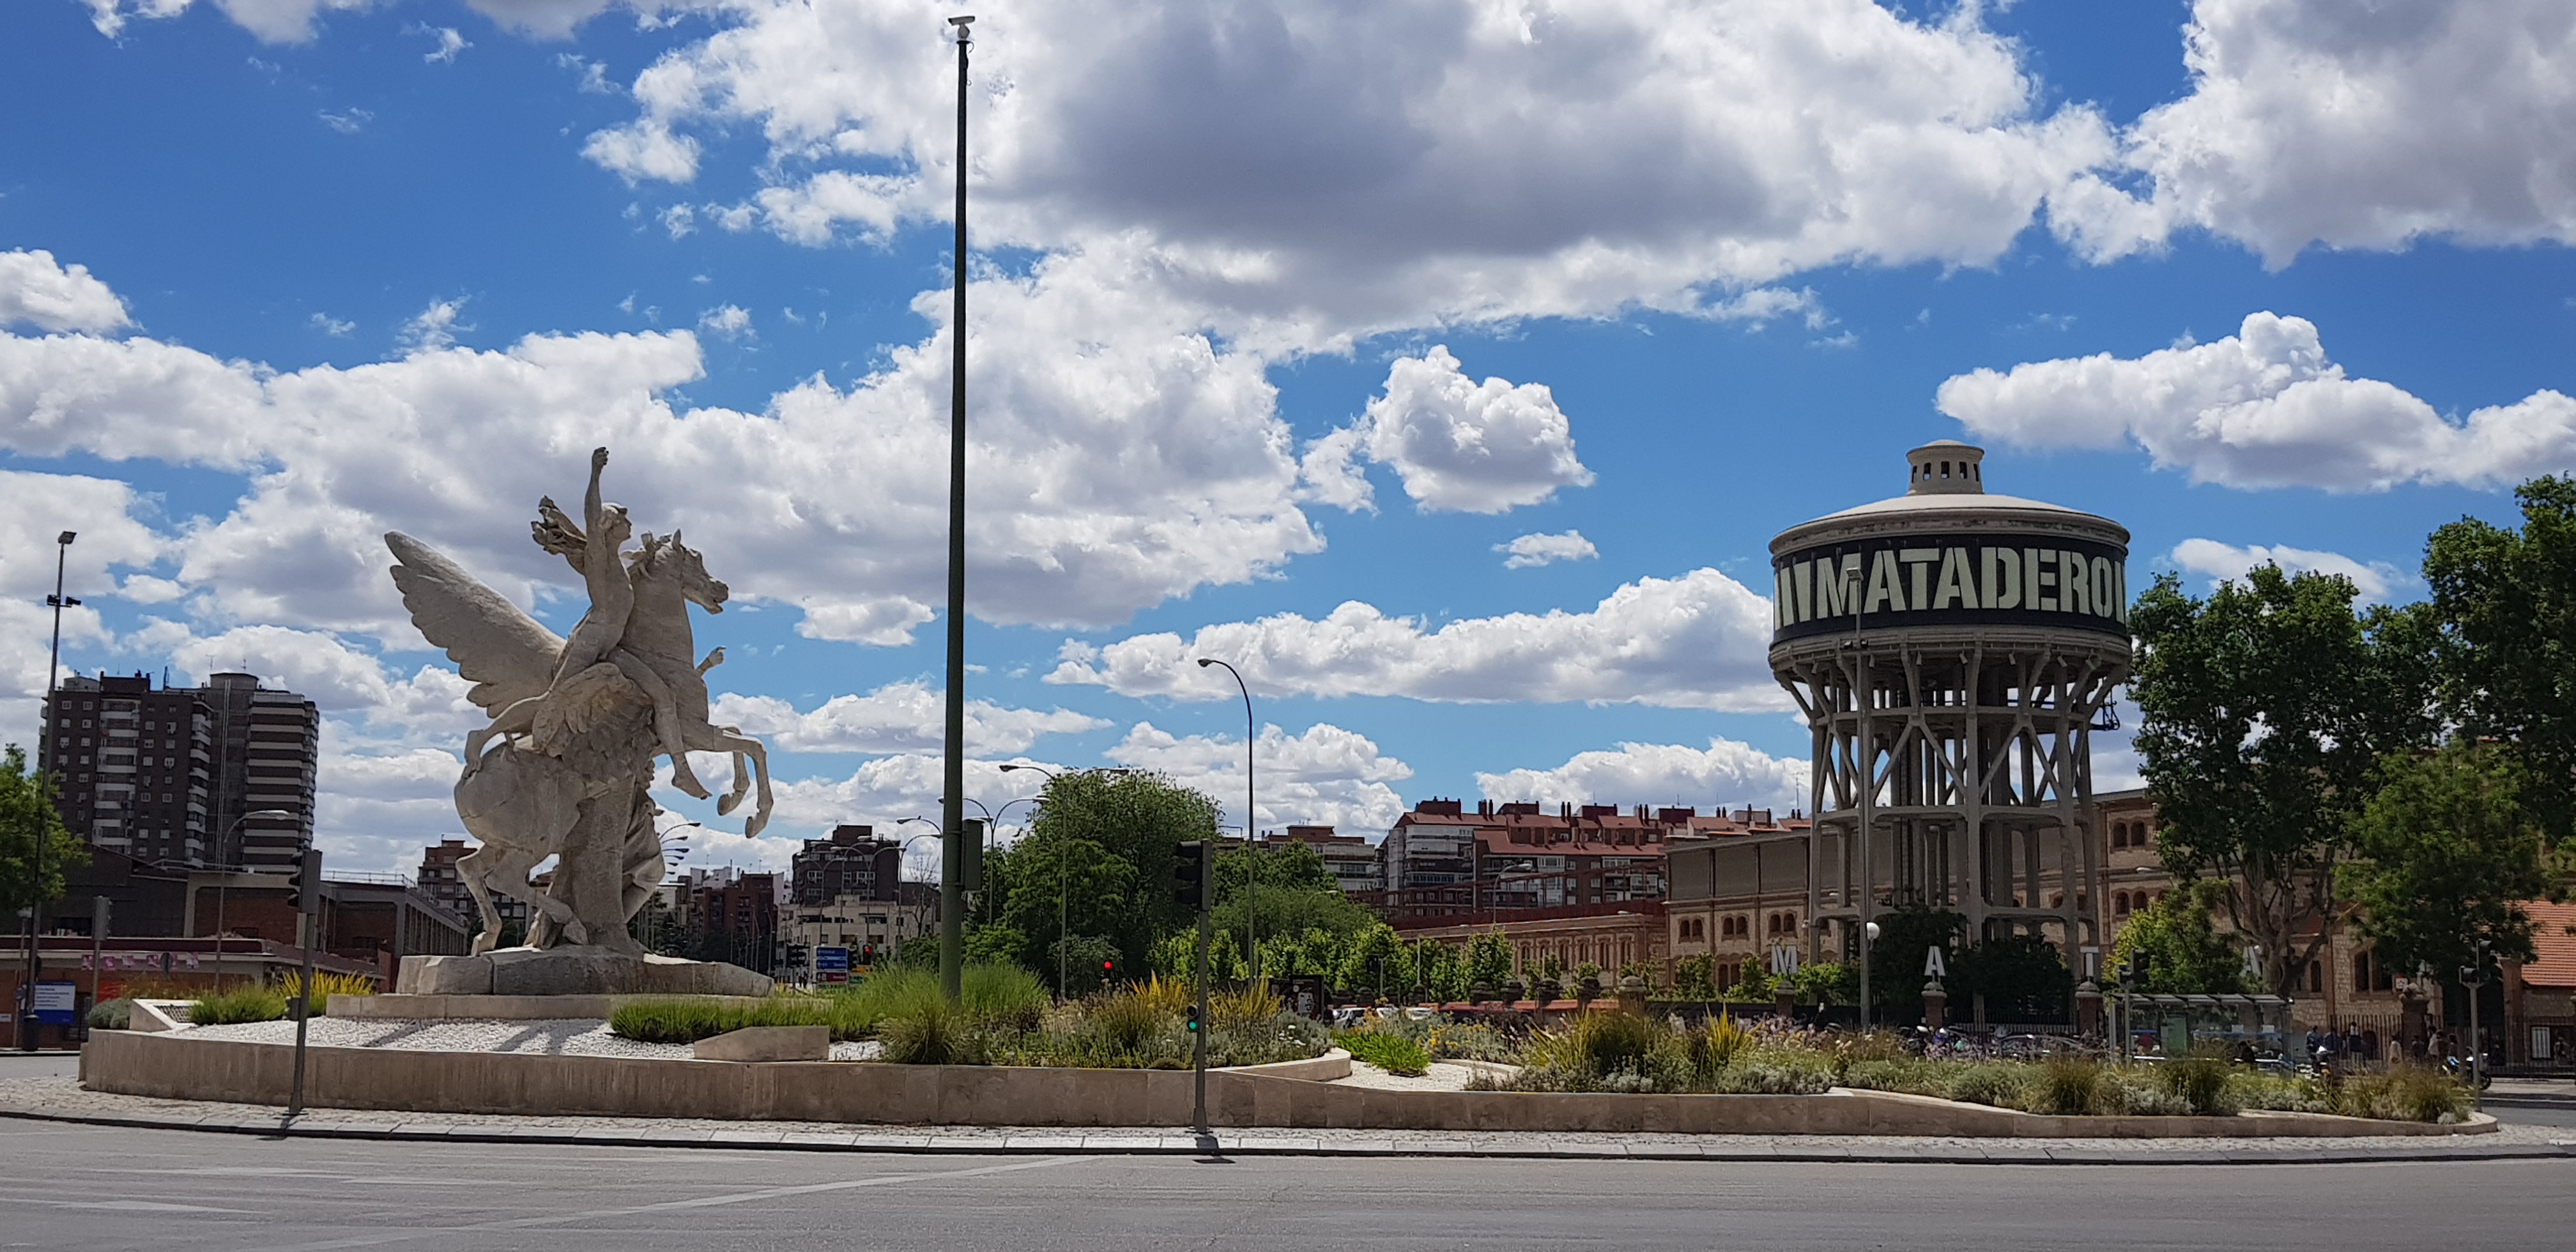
(574, 971)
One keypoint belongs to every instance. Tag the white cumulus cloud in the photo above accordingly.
(2219, 562)
(899, 717)
(1326, 776)
(1459, 446)
(1698, 641)
(1530, 551)
(1725, 773)
(1114, 479)
(35, 291)
(2263, 408)
(2352, 126)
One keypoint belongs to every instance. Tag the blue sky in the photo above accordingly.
(1290, 319)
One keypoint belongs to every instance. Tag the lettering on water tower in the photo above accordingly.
(1932, 579)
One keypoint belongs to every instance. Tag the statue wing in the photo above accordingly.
(505, 653)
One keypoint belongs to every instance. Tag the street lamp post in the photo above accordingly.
(223, 885)
(1251, 861)
(952, 811)
(35, 896)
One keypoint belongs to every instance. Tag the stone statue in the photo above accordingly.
(566, 767)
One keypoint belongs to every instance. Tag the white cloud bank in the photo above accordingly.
(1698, 641)
(1459, 446)
(2352, 126)
(2220, 562)
(1326, 776)
(1113, 480)
(899, 717)
(1725, 773)
(2263, 408)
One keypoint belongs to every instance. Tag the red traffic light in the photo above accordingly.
(1109, 967)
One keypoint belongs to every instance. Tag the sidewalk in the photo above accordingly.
(62, 1100)
(2532, 1093)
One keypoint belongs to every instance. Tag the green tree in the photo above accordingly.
(1297, 894)
(1086, 823)
(1075, 886)
(2504, 603)
(1896, 958)
(2022, 977)
(27, 817)
(1826, 982)
(1489, 961)
(2444, 851)
(2186, 953)
(2267, 709)
(1375, 963)
(1694, 977)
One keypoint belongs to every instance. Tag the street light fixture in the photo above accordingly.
(35, 903)
(224, 884)
(1251, 861)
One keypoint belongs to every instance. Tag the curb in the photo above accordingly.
(2000, 1152)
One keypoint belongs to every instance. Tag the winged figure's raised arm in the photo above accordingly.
(505, 653)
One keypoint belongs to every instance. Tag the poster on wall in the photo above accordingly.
(57, 1003)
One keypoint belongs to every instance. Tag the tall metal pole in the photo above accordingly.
(952, 815)
(1251, 865)
(27, 1028)
(309, 930)
(1199, 1037)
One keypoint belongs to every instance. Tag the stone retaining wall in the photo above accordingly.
(174, 1066)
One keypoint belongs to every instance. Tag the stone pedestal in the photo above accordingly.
(2411, 1026)
(1632, 994)
(1935, 1000)
(1785, 1001)
(2088, 1008)
(574, 971)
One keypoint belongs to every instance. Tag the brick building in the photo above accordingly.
(438, 878)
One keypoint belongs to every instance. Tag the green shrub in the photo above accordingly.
(1005, 994)
(2066, 1087)
(116, 1014)
(251, 1002)
(2406, 1093)
(1468, 1041)
(1283, 1036)
(2000, 1084)
(936, 1035)
(1777, 1071)
(1393, 1053)
(2200, 1082)
(1715, 1046)
(326, 985)
(1911, 1076)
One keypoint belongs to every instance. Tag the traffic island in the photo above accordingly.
(1291, 1095)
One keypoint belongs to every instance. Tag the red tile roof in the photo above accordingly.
(2557, 964)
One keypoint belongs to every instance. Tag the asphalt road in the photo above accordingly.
(77, 1187)
(16, 1064)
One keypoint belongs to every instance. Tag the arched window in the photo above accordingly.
(2120, 904)
(2119, 834)
(2361, 971)
(2316, 976)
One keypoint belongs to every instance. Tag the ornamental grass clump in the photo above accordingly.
(326, 985)
(2406, 1093)
(939, 1034)
(2200, 1082)
(2067, 1088)
(250, 1002)
(1393, 1053)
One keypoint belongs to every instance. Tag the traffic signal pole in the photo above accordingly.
(1198, 1040)
(308, 899)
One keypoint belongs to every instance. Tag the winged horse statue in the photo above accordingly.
(565, 769)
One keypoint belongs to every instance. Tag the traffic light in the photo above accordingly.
(1189, 875)
(1194, 1019)
(1108, 970)
(304, 885)
(868, 954)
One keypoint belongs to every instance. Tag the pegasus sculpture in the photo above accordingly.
(565, 769)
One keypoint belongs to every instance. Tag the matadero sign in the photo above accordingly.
(1919, 579)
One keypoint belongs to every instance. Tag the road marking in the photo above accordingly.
(667, 1206)
(122, 1206)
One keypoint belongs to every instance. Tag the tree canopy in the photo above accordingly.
(2505, 602)
(27, 816)
(2443, 851)
(2268, 707)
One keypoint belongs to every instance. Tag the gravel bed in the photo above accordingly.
(563, 1036)
(1442, 1076)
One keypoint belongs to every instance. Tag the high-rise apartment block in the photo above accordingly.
(165, 775)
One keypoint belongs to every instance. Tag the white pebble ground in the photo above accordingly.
(566, 1036)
